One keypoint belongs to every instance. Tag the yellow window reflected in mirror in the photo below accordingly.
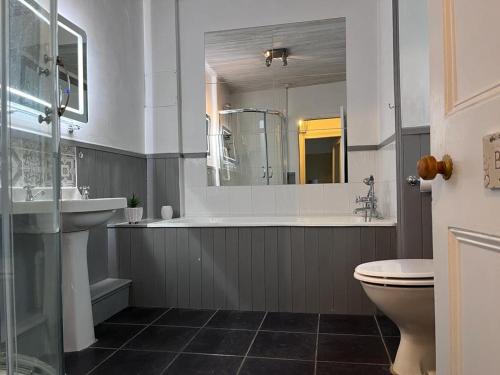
(320, 151)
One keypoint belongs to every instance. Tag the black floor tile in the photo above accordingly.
(237, 319)
(185, 317)
(392, 344)
(387, 326)
(348, 324)
(261, 366)
(328, 368)
(162, 338)
(221, 341)
(127, 362)
(79, 363)
(350, 348)
(198, 364)
(290, 322)
(137, 315)
(284, 345)
(114, 335)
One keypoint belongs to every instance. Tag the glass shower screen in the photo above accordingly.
(30, 287)
(252, 148)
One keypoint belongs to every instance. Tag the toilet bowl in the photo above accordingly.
(403, 290)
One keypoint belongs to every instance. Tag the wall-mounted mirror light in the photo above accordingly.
(29, 80)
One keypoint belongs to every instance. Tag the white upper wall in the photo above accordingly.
(160, 62)
(386, 71)
(200, 16)
(115, 71)
(414, 58)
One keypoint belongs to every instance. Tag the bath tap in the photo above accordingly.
(369, 201)
(30, 197)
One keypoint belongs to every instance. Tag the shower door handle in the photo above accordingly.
(264, 174)
(47, 118)
(62, 107)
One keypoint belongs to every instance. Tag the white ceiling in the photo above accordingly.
(317, 54)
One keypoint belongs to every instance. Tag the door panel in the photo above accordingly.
(471, 59)
(465, 106)
(472, 314)
(475, 60)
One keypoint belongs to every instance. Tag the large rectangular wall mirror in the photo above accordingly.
(29, 78)
(276, 104)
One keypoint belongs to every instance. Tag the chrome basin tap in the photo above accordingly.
(85, 191)
(30, 197)
(369, 202)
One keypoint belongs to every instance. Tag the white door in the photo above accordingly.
(465, 107)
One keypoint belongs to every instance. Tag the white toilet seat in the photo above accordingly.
(397, 272)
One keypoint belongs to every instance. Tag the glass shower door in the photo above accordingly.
(243, 148)
(30, 271)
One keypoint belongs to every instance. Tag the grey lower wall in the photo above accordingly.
(274, 269)
(163, 185)
(109, 174)
(416, 220)
(115, 173)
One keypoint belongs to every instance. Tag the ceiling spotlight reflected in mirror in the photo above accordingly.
(276, 53)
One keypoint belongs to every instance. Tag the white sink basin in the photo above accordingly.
(77, 217)
(77, 214)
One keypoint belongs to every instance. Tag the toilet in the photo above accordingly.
(403, 289)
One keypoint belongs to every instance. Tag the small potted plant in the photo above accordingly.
(133, 213)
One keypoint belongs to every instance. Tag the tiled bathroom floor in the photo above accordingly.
(150, 341)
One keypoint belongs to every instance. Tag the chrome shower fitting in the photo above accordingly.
(369, 201)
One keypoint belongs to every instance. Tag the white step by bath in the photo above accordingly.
(109, 296)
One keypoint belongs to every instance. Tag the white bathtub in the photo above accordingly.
(263, 221)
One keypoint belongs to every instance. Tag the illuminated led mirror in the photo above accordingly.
(29, 83)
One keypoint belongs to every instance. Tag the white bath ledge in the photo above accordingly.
(260, 221)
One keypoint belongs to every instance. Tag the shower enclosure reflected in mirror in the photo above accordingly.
(276, 97)
(29, 61)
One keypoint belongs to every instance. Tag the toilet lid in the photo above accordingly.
(398, 269)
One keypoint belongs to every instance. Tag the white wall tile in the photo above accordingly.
(195, 172)
(263, 200)
(217, 203)
(162, 29)
(361, 165)
(337, 199)
(287, 200)
(311, 201)
(195, 201)
(240, 200)
(386, 163)
(164, 133)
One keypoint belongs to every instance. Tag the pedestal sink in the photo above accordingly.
(78, 216)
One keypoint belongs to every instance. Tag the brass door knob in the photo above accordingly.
(429, 167)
